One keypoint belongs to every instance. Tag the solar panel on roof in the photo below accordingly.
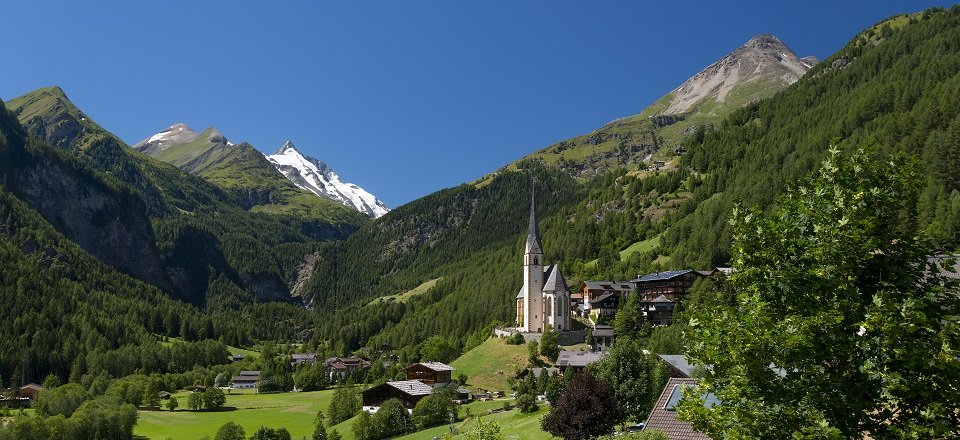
(674, 399)
(709, 400)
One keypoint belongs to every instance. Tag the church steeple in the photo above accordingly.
(533, 233)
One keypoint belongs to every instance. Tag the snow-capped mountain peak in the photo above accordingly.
(315, 176)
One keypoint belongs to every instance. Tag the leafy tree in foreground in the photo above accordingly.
(841, 326)
(587, 408)
(636, 378)
(173, 403)
(231, 431)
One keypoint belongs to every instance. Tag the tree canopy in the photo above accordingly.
(841, 325)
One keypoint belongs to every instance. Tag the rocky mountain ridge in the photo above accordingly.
(763, 57)
(317, 177)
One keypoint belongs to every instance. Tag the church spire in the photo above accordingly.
(533, 234)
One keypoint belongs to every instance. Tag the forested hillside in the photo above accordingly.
(896, 85)
(195, 240)
(68, 313)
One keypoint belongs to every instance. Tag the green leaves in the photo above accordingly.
(838, 325)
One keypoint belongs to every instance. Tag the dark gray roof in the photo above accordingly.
(679, 363)
(412, 387)
(578, 358)
(304, 356)
(601, 298)
(533, 233)
(603, 331)
(555, 281)
(621, 286)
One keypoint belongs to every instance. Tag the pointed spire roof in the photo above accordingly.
(533, 234)
(555, 282)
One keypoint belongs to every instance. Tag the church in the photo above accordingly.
(544, 299)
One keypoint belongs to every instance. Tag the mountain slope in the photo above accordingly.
(896, 87)
(192, 239)
(758, 69)
(240, 170)
(315, 176)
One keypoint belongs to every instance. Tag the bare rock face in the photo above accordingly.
(104, 222)
(762, 59)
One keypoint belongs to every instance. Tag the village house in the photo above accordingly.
(30, 390)
(659, 310)
(672, 284)
(246, 379)
(339, 368)
(677, 364)
(574, 361)
(430, 373)
(303, 358)
(602, 337)
(596, 296)
(422, 378)
(544, 299)
(409, 392)
(663, 416)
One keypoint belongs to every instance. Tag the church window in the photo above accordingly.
(536, 262)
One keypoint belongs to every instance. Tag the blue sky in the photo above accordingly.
(401, 97)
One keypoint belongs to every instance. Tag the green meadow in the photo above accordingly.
(294, 411)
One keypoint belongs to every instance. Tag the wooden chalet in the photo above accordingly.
(246, 379)
(30, 390)
(672, 284)
(430, 373)
(409, 392)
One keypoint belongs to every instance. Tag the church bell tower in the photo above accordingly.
(533, 274)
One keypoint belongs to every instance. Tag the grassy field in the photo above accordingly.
(294, 411)
(297, 411)
(405, 296)
(490, 364)
(513, 425)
